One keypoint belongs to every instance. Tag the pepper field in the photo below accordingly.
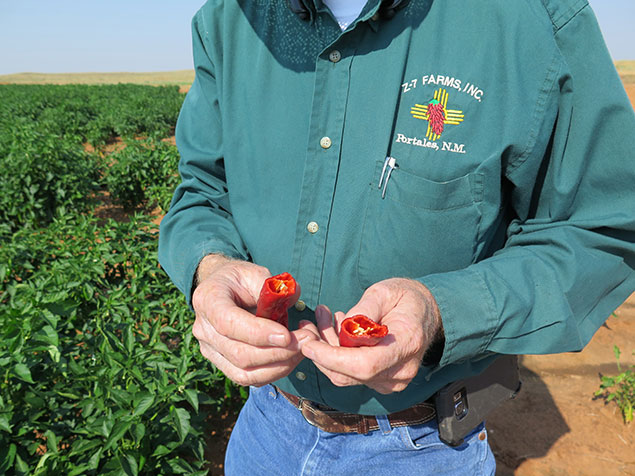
(100, 373)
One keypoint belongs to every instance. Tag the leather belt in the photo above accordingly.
(333, 421)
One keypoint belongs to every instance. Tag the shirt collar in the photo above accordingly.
(368, 12)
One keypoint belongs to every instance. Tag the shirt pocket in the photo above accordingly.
(420, 227)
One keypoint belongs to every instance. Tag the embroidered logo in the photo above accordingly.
(437, 114)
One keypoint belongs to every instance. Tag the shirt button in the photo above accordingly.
(335, 56)
(300, 376)
(312, 227)
(325, 142)
(300, 305)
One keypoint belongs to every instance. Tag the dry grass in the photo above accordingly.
(626, 70)
(183, 77)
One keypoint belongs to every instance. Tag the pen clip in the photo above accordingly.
(390, 163)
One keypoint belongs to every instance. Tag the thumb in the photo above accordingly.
(374, 304)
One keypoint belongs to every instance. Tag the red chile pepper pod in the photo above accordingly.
(358, 331)
(278, 294)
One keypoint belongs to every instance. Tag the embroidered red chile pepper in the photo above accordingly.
(359, 331)
(278, 294)
(436, 116)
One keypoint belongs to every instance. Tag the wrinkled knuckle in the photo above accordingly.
(242, 360)
(242, 378)
(374, 291)
(197, 298)
(200, 297)
(239, 357)
(339, 381)
(197, 330)
(205, 352)
(365, 375)
(223, 326)
(410, 372)
(400, 387)
(384, 390)
(369, 372)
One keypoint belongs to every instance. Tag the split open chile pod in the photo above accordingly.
(358, 331)
(278, 294)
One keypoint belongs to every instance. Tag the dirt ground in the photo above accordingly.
(630, 90)
(555, 427)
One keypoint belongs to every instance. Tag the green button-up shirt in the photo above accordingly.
(512, 199)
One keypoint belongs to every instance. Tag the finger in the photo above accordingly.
(303, 335)
(324, 321)
(359, 363)
(240, 325)
(338, 379)
(338, 317)
(246, 356)
(241, 282)
(305, 325)
(396, 378)
(376, 302)
(257, 376)
(403, 372)
(384, 387)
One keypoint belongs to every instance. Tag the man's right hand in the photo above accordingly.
(248, 350)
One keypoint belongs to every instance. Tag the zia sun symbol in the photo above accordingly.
(437, 114)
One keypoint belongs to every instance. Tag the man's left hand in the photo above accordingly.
(408, 309)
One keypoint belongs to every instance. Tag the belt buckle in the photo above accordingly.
(302, 407)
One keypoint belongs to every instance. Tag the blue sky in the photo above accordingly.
(59, 36)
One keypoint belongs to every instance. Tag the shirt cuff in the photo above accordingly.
(467, 313)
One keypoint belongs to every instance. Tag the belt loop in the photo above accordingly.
(384, 424)
(273, 391)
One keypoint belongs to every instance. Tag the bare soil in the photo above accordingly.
(555, 427)
(630, 90)
(153, 79)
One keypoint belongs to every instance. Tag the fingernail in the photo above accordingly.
(303, 340)
(321, 313)
(308, 353)
(279, 340)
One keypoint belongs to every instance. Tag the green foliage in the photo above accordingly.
(620, 388)
(99, 370)
(144, 171)
(100, 373)
(44, 168)
(43, 174)
(96, 114)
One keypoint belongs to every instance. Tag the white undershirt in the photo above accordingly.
(345, 11)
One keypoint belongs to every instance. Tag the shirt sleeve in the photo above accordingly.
(199, 221)
(569, 255)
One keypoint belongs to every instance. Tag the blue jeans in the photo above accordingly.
(271, 437)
